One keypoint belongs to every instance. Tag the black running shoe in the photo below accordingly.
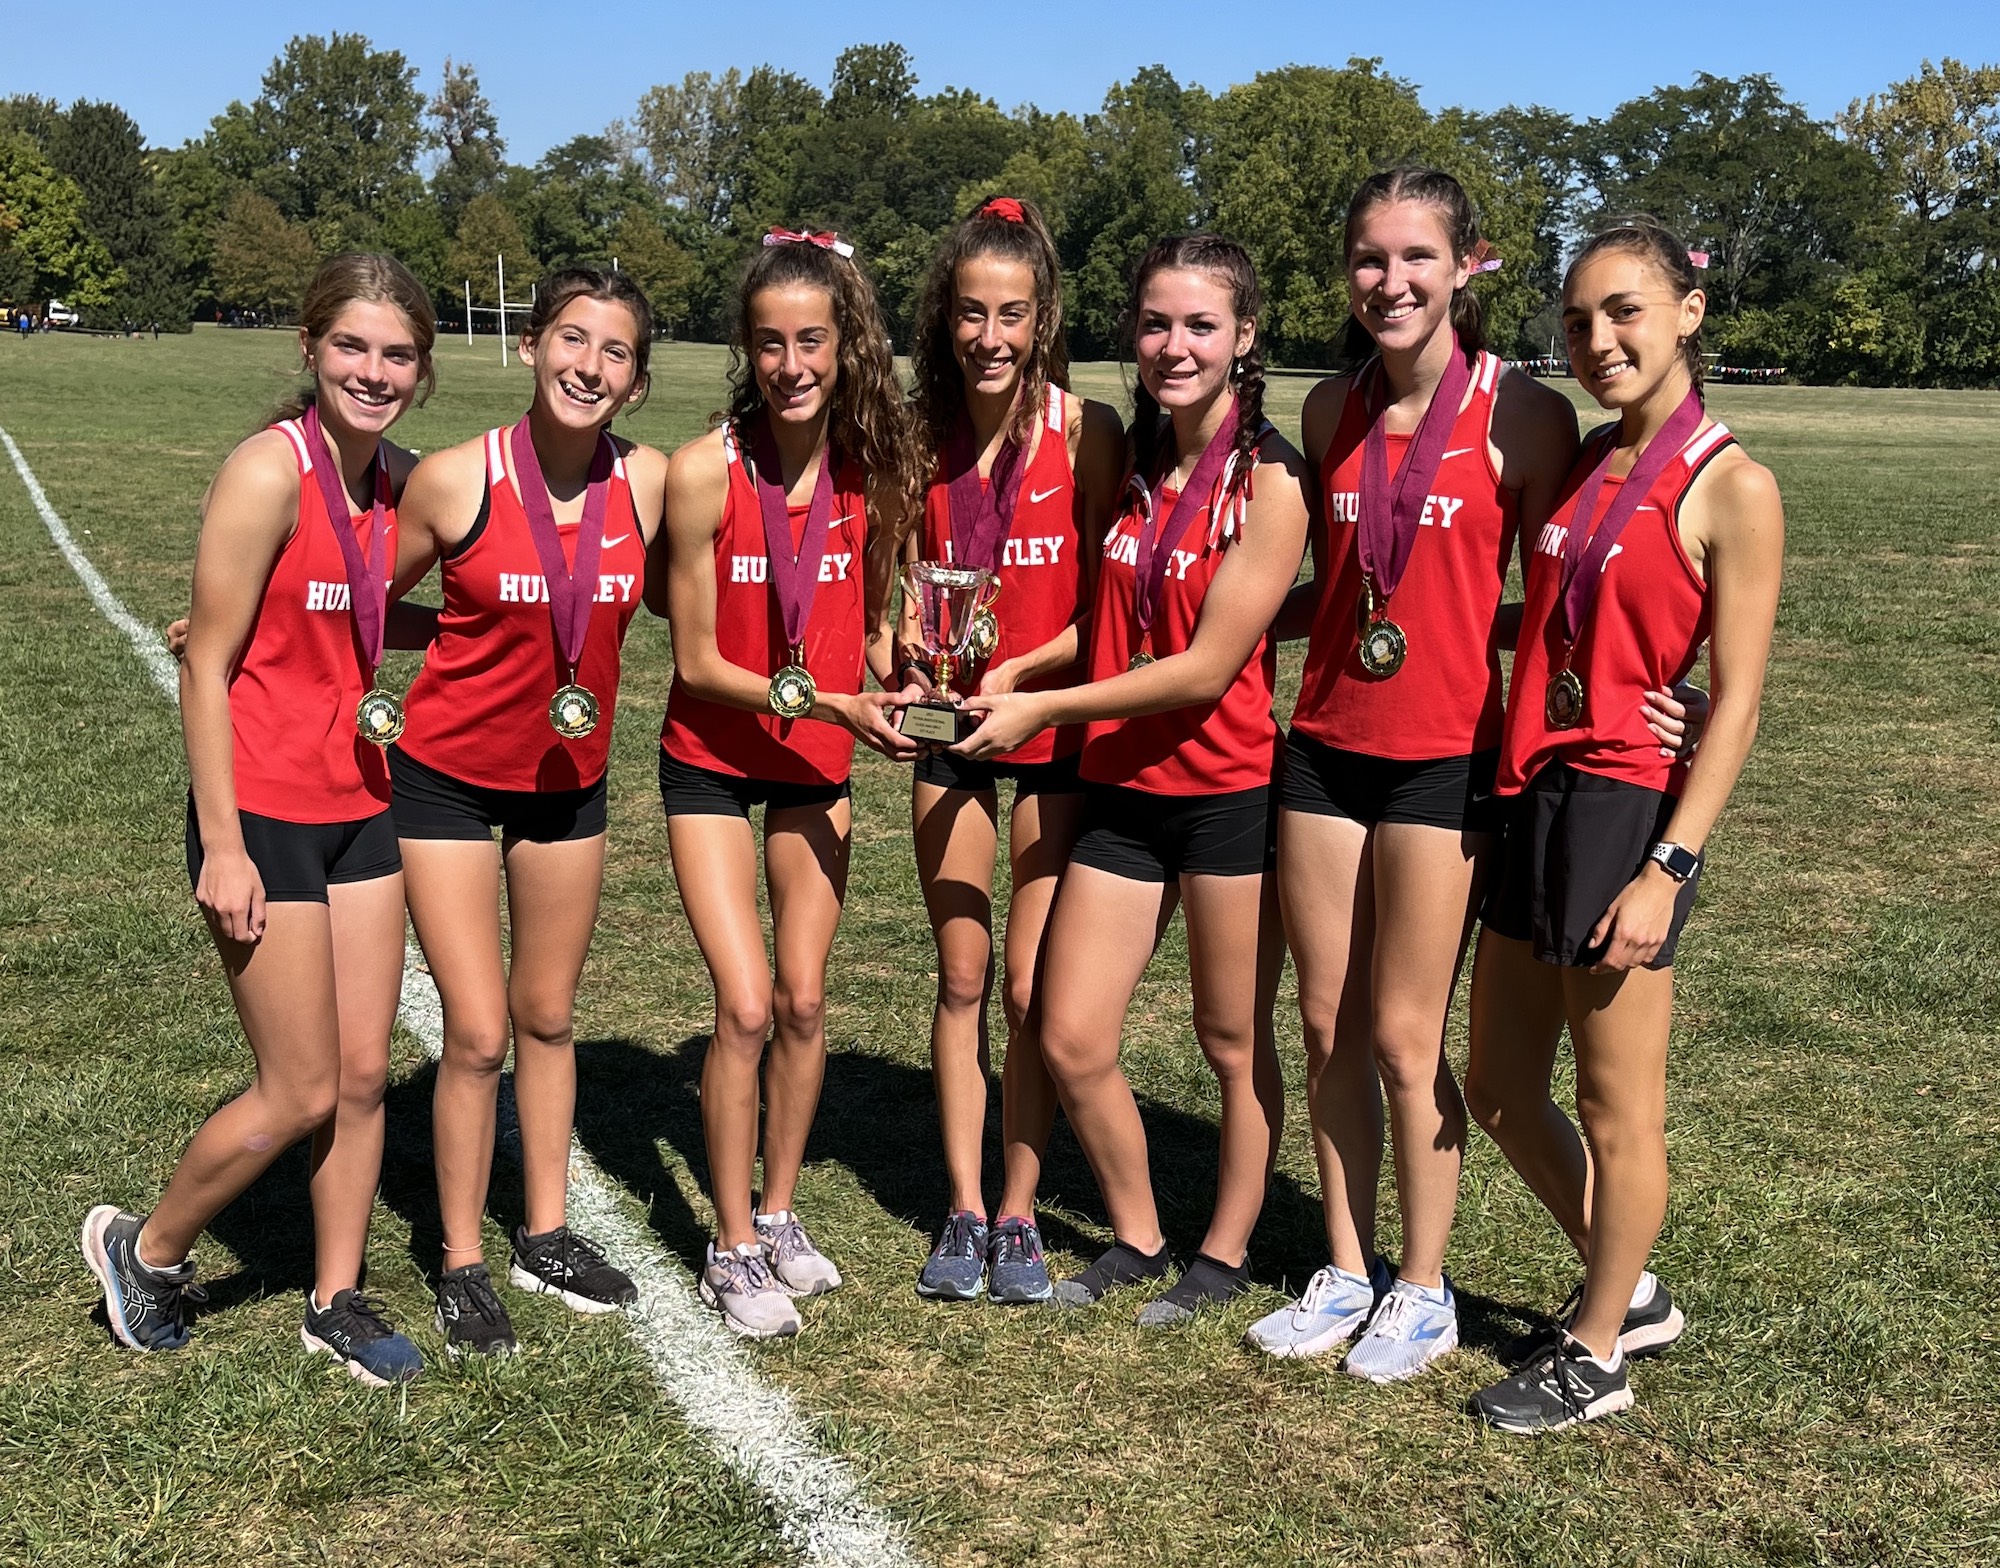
(147, 1306)
(1121, 1265)
(1560, 1387)
(570, 1267)
(353, 1331)
(469, 1314)
(1650, 1329)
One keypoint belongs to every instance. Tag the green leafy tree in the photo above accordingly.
(463, 127)
(197, 191)
(690, 132)
(99, 146)
(46, 248)
(1536, 154)
(263, 260)
(487, 231)
(661, 268)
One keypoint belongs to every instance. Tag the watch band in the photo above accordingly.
(1677, 861)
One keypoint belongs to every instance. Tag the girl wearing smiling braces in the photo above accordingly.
(990, 369)
(541, 530)
(783, 530)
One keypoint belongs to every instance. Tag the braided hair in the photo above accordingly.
(1229, 263)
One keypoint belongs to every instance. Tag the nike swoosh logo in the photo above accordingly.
(1434, 1331)
(613, 543)
(1035, 496)
(1458, 452)
(847, 518)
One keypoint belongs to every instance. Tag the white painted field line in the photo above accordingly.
(702, 1368)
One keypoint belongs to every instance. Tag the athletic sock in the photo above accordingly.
(1123, 1265)
(1436, 1295)
(1208, 1280)
(1643, 1291)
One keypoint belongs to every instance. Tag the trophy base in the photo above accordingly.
(936, 721)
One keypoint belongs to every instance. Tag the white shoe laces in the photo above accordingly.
(1322, 1289)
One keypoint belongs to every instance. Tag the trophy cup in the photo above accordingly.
(949, 601)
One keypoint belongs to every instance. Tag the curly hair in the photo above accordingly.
(1229, 263)
(868, 420)
(1437, 190)
(937, 395)
(1639, 234)
(362, 278)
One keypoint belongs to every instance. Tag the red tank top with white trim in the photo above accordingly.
(479, 710)
(750, 633)
(1446, 699)
(1041, 573)
(1208, 748)
(300, 674)
(1650, 620)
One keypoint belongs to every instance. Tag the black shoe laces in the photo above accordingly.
(960, 1239)
(367, 1314)
(581, 1249)
(477, 1289)
(1015, 1244)
(1566, 1379)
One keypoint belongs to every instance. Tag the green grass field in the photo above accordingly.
(1834, 1231)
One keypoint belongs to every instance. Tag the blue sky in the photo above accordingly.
(172, 73)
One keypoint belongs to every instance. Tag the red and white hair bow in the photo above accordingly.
(1483, 259)
(824, 240)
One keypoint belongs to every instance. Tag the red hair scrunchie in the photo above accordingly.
(1004, 207)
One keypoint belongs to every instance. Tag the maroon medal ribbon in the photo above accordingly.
(1388, 516)
(1583, 561)
(794, 572)
(571, 588)
(367, 578)
(981, 515)
(1157, 540)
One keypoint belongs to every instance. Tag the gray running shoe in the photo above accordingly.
(798, 1265)
(739, 1284)
(147, 1306)
(1335, 1306)
(956, 1268)
(1411, 1328)
(469, 1314)
(1016, 1272)
(353, 1331)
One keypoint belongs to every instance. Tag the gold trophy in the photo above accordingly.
(949, 600)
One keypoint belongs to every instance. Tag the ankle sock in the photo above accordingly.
(1207, 1280)
(1123, 1265)
(1643, 1291)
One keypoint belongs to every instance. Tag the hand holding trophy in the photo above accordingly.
(951, 602)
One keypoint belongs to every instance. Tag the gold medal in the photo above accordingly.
(1142, 658)
(573, 712)
(1364, 608)
(1383, 648)
(793, 691)
(985, 638)
(1563, 703)
(379, 717)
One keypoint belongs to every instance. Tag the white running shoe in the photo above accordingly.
(800, 1267)
(739, 1284)
(1412, 1327)
(1334, 1307)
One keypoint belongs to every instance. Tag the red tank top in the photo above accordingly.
(1446, 699)
(1041, 573)
(1209, 748)
(479, 709)
(300, 675)
(1645, 632)
(750, 633)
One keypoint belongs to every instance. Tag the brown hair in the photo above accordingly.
(361, 277)
(567, 284)
(1437, 190)
(1230, 263)
(1651, 241)
(937, 395)
(868, 420)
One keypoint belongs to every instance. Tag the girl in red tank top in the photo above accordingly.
(782, 533)
(1428, 456)
(289, 840)
(1177, 763)
(1667, 536)
(541, 530)
(1044, 467)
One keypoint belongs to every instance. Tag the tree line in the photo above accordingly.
(1861, 249)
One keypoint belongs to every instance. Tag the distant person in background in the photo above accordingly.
(1666, 536)
(1025, 477)
(290, 844)
(1179, 767)
(540, 530)
(783, 528)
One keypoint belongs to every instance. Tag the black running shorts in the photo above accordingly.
(430, 804)
(1160, 838)
(298, 861)
(689, 791)
(1570, 844)
(1444, 792)
(1056, 777)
